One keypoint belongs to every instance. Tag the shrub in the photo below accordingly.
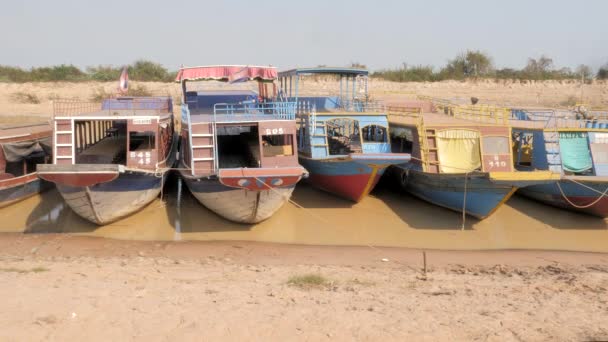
(23, 97)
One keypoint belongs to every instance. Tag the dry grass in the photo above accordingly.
(24, 271)
(23, 97)
(309, 281)
(137, 90)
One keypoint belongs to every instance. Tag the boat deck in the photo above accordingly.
(432, 119)
(105, 151)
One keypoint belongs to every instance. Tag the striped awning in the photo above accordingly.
(227, 73)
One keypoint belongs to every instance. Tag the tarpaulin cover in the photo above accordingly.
(458, 151)
(574, 148)
(17, 151)
(226, 73)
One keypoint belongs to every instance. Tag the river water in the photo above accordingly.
(386, 218)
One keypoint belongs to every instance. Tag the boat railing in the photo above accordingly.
(558, 119)
(253, 111)
(112, 106)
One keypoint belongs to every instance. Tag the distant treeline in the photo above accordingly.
(476, 64)
(141, 70)
(472, 64)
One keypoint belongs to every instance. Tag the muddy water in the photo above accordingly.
(386, 218)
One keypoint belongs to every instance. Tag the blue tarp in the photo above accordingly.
(575, 153)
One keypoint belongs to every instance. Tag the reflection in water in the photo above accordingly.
(386, 218)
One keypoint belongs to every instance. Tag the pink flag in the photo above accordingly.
(123, 85)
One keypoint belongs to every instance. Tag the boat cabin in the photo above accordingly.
(442, 144)
(560, 141)
(136, 132)
(237, 127)
(339, 119)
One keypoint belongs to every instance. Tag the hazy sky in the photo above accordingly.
(286, 33)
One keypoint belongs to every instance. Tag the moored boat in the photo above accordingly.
(238, 154)
(110, 159)
(567, 144)
(22, 148)
(343, 136)
(457, 164)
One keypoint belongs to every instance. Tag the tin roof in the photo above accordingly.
(324, 70)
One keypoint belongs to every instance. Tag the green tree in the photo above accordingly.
(602, 73)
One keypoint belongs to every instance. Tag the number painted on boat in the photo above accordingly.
(142, 121)
(274, 131)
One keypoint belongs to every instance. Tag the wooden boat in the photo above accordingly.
(238, 156)
(575, 148)
(458, 164)
(111, 158)
(23, 147)
(343, 140)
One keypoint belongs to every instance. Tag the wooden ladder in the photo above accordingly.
(203, 139)
(428, 144)
(64, 142)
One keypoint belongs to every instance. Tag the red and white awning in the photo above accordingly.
(227, 73)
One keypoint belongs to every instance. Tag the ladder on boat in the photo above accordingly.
(318, 134)
(64, 142)
(203, 156)
(428, 147)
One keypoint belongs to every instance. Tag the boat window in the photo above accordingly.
(458, 150)
(374, 134)
(100, 141)
(522, 148)
(238, 146)
(343, 136)
(402, 139)
(277, 145)
(575, 153)
(142, 141)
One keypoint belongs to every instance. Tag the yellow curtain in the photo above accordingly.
(458, 150)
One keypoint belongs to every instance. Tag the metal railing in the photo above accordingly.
(124, 106)
(254, 111)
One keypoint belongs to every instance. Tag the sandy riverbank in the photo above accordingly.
(61, 287)
(512, 93)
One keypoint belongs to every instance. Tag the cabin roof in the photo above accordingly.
(226, 73)
(432, 119)
(24, 132)
(324, 70)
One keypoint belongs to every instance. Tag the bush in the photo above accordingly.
(104, 73)
(149, 71)
(418, 73)
(23, 97)
(101, 94)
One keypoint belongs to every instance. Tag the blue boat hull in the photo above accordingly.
(578, 197)
(17, 192)
(483, 196)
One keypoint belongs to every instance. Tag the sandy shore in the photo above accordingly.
(511, 93)
(62, 287)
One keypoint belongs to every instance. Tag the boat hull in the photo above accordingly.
(352, 177)
(104, 203)
(483, 196)
(236, 204)
(19, 188)
(587, 201)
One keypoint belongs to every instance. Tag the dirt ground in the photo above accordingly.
(65, 287)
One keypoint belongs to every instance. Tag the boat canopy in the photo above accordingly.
(227, 73)
(324, 70)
